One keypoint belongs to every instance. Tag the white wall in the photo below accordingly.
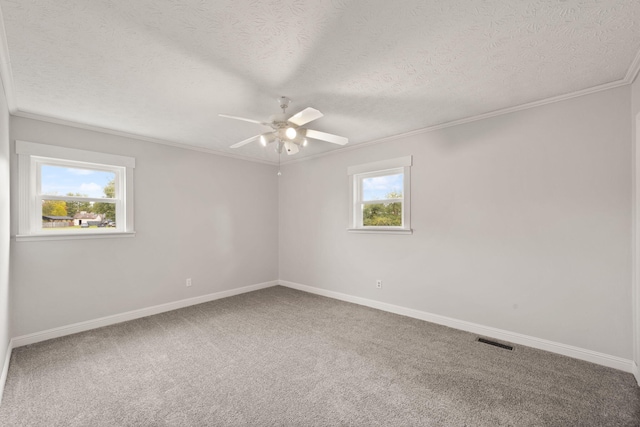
(5, 332)
(521, 222)
(197, 215)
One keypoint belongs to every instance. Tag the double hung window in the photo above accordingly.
(380, 198)
(69, 193)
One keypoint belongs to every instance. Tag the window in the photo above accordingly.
(67, 193)
(380, 197)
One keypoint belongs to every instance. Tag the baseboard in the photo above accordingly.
(636, 372)
(512, 337)
(131, 315)
(5, 369)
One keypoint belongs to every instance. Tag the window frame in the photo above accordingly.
(387, 167)
(32, 156)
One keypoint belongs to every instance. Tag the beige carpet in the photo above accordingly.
(280, 357)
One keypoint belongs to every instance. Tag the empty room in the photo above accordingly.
(319, 213)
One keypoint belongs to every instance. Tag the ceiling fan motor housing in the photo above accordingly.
(284, 102)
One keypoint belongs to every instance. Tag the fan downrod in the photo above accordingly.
(284, 103)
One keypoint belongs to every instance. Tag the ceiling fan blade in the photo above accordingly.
(334, 139)
(291, 147)
(245, 142)
(244, 119)
(305, 116)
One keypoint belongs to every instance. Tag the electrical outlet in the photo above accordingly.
(378, 283)
(188, 282)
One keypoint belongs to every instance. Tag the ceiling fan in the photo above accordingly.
(288, 132)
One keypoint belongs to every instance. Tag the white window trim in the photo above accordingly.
(31, 155)
(380, 168)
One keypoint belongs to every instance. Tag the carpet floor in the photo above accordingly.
(281, 357)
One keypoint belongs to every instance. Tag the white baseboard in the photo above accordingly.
(512, 337)
(636, 372)
(5, 369)
(131, 315)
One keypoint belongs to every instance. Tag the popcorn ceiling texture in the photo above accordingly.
(166, 68)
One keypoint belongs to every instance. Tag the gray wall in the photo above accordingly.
(5, 332)
(197, 215)
(521, 222)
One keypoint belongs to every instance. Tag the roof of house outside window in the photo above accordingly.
(85, 215)
(53, 217)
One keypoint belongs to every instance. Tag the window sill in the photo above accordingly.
(381, 230)
(74, 236)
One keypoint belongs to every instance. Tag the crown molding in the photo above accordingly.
(629, 78)
(631, 74)
(626, 81)
(470, 119)
(70, 123)
(634, 68)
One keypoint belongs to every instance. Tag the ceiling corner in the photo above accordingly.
(634, 69)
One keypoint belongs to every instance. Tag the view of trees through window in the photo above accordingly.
(383, 214)
(73, 213)
(380, 199)
(382, 195)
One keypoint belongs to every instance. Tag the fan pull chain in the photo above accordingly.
(279, 156)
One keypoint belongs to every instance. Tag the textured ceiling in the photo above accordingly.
(165, 68)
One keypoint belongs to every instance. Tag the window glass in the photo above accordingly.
(382, 214)
(382, 187)
(74, 188)
(70, 181)
(66, 215)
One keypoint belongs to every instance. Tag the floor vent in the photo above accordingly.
(494, 343)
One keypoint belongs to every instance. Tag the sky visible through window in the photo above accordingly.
(378, 187)
(63, 180)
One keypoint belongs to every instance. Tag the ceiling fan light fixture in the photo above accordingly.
(267, 138)
(304, 142)
(301, 135)
(291, 147)
(291, 133)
